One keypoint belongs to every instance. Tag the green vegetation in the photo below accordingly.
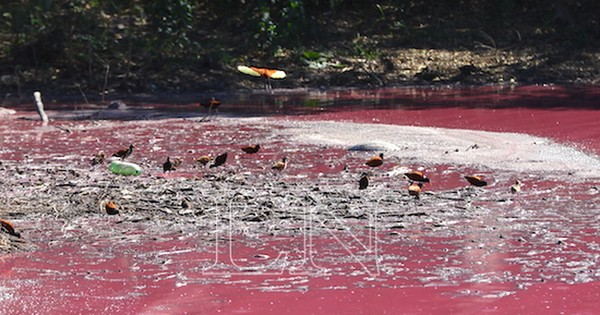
(131, 46)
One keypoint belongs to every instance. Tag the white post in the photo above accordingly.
(40, 106)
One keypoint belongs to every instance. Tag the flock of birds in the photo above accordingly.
(416, 179)
(172, 165)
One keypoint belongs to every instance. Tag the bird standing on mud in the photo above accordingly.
(250, 149)
(417, 176)
(219, 160)
(8, 227)
(98, 158)
(414, 189)
(204, 160)
(111, 208)
(169, 165)
(375, 161)
(363, 182)
(516, 187)
(280, 165)
(211, 104)
(125, 152)
(476, 180)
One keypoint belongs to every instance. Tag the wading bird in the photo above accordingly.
(9, 228)
(280, 165)
(98, 158)
(211, 104)
(375, 161)
(111, 208)
(125, 152)
(414, 189)
(516, 187)
(476, 180)
(171, 165)
(204, 159)
(363, 182)
(268, 74)
(417, 176)
(251, 148)
(219, 160)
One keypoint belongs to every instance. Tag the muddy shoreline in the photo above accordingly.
(67, 186)
(250, 233)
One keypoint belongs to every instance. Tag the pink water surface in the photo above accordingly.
(481, 263)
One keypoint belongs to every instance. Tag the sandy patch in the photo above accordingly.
(494, 150)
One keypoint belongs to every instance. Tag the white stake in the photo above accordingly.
(37, 95)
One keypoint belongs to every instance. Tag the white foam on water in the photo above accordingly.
(494, 150)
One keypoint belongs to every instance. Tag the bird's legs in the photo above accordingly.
(207, 116)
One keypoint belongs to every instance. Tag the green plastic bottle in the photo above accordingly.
(124, 168)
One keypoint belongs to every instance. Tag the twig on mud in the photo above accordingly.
(65, 129)
(82, 94)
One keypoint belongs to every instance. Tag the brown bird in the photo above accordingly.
(375, 161)
(111, 208)
(219, 160)
(417, 176)
(476, 180)
(266, 73)
(280, 165)
(516, 187)
(98, 158)
(251, 148)
(204, 159)
(363, 183)
(213, 103)
(414, 189)
(9, 228)
(171, 166)
(125, 152)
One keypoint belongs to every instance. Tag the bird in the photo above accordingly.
(219, 160)
(111, 208)
(251, 148)
(375, 161)
(476, 180)
(211, 104)
(516, 187)
(98, 158)
(9, 228)
(125, 152)
(414, 189)
(363, 182)
(263, 72)
(417, 176)
(204, 159)
(280, 165)
(171, 166)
